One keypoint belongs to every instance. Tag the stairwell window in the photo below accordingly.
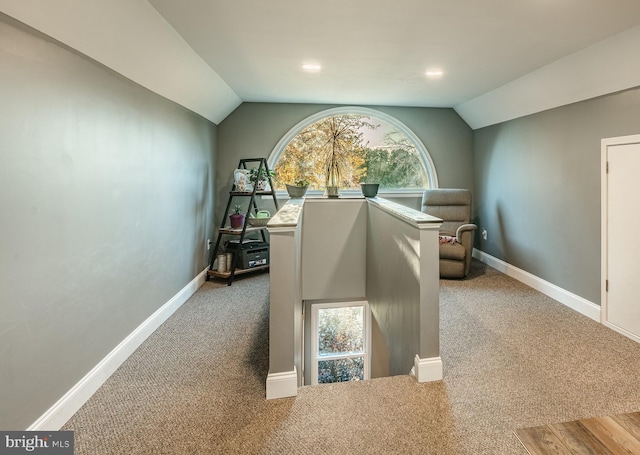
(377, 148)
(339, 342)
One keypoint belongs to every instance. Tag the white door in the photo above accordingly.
(621, 232)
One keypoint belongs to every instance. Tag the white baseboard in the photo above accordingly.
(282, 385)
(622, 331)
(573, 301)
(56, 416)
(427, 370)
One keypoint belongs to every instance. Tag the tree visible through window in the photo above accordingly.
(339, 346)
(367, 149)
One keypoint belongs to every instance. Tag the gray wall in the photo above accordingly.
(538, 188)
(334, 249)
(254, 129)
(106, 200)
(402, 289)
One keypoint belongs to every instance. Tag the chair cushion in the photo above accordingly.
(451, 269)
(453, 206)
(452, 251)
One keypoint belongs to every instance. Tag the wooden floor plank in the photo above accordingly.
(578, 439)
(612, 435)
(541, 440)
(630, 422)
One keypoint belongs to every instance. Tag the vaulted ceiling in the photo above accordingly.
(377, 52)
(500, 58)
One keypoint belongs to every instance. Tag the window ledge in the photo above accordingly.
(399, 193)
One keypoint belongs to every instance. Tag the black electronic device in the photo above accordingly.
(253, 253)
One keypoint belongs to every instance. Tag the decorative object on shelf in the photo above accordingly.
(332, 184)
(339, 142)
(236, 218)
(222, 263)
(242, 181)
(261, 218)
(262, 180)
(369, 189)
(298, 189)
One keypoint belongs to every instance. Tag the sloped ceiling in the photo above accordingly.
(132, 38)
(501, 59)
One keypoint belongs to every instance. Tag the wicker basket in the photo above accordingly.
(259, 222)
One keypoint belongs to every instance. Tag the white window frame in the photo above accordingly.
(315, 358)
(427, 162)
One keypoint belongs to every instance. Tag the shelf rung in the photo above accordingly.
(248, 193)
(238, 231)
(237, 272)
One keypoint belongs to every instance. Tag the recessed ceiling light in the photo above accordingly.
(434, 73)
(311, 67)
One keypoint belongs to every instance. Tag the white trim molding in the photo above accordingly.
(427, 370)
(621, 331)
(573, 301)
(282, 385)
(56, 416)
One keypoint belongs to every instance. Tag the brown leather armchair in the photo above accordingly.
(453, 206)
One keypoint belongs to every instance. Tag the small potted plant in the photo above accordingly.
(261, 181)
(236, 218)
(298, 189)
(369, 189)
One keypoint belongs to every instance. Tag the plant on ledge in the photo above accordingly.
(309, 154)
(338, 149)
(298, 189)
(260, 177)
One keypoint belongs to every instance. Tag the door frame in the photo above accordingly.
(605, 143)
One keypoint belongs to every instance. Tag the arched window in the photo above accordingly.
(369, 145)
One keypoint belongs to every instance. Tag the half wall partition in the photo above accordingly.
(355, 248)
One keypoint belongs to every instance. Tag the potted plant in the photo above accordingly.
(369, 189)
(337, 145)
(298, 189)
(260, 178)
(236, 218)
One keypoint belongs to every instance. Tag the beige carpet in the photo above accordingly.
(513, 358)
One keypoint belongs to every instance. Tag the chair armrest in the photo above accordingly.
(464, 228)
(464, 236)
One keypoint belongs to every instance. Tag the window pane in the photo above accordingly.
(341, 370)
(340, 330)
(392, 159)
(366, 149)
